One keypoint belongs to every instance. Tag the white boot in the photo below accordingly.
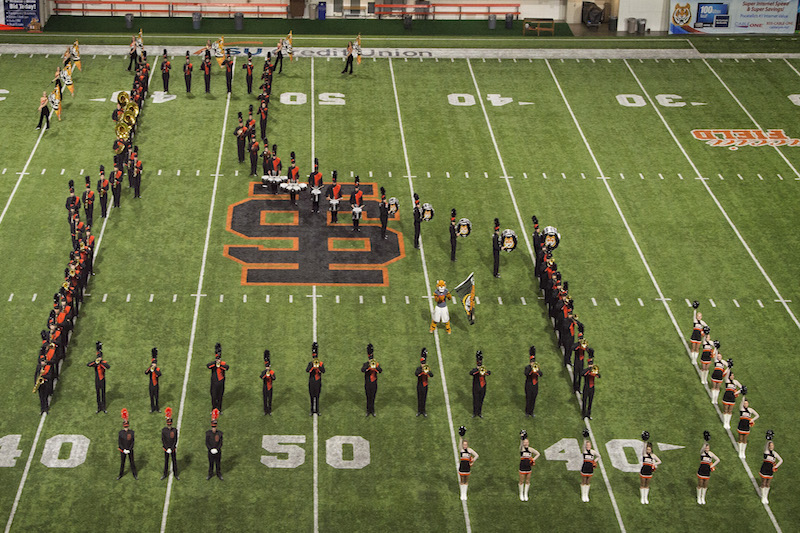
(647, 496)
(521, 492)
(764, 494)
(704, 377)
(587, 492)
(742, 448)
(463, 489)
(583, 493)
(703, 495)
(714, 395)
(699, 496)
(726, 421)
(641, 495)
(525, 493)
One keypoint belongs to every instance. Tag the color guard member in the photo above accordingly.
(44, 112)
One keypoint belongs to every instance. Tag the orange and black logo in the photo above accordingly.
(298, 247)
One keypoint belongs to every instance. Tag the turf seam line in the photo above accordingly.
(464, 505)
(197, 299)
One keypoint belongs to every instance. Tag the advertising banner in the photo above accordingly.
(734, 16)
(20, 13)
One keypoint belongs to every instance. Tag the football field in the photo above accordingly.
(670, 179)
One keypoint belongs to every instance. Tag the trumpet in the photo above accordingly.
(595, 370)
(534, 366)
(316, 363)
(39, 382)
(373, 364)
(426, 368)
(482, 370)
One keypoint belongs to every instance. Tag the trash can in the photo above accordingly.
(312, 11)
(129, 21)
(612, 23)
(492, 22)
(322, 8)
(407, 21)
(238, 21)
(641, 26)
(631, 23)
(509, 21)
(196, 18)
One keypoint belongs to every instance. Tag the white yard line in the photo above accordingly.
(197, 300)
(464, 506)
(533, 260)
(314, 329)
(25, 473)
(714, 197)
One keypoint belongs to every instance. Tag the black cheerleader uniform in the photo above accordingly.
(704, 472)
(697, 332)
(464, 463)
(768, 466)
(716, 374)
(525, 461)
(745, 421)
(729, 397)
(705, 356)
(587, 470)
(647, 467)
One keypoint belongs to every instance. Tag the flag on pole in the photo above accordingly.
(466, 292)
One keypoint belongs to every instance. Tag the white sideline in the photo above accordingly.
(198, 296)
(533, 260)
(464, 506)
(749, 251)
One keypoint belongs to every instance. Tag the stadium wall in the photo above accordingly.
(655, 11)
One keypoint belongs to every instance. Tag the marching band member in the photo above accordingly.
(453, 235)
(268, 378)
(277, 166)
(132, 53)
(239, 132)
(383, 209)
(315, 182)
(371, 369)
(102, 192)
(527, 459)
(214, 446)
(43, 383)
(263, 113)
(590, 373)
(334, 194)
(166, 66)
(292, 174)
(466, 458)
(718, 373)
(248, 68)
(266, 166)
(315, 370)
(87, 199)
(747, 418)
(590, 458)
(205, 66)
(697, 330)
(187, 73)
(423, 373)
(254, 158)
(279, 56)
(356, 204)
(708, 462)
(649, 464)
(707, 355)
(44, 112)
(440, 313)
(227, 64)
(532, 374)
(154, 374)
(100, 367)
(125, 443)
(768, 467)
(218, 369)
(75, 55)
(732, 388)
(581, 349)
(169, 443)
(497, 245)
(349, 62)
(478, 374)
(417, 220)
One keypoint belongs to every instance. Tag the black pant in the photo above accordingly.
(188, 80)
(348, 64)
(531, 391)
(416, 234)
(133, 59)
(43, 403)
(240, 148)
(122, 463)
(116, 191)
(215, 461)
(208, 82)
(577, 372)
(384, 222)
(100, 390)
(217, 391)
(165, 79)
(249, 84)
(315, 203)
(153, 398)
(229, 80)
(263, 124)
(314, 388)
(137, 183)
(371, 388)
(452, 249)
(478, 394)
(335, 216)
(422, 397)
(174, 463)
(103, 206)
(588, 397)
(496, 269)
(88, 209)
(44, 115)
(267, 400)
(253, 164)
(355, 225)
(279, 59)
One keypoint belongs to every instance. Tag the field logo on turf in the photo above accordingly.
(733, 139)
(298, 247)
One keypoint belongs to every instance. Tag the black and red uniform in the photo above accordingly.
(153, 374)
(217, 382)
(116, 186)
(169, 442)
(356, 199)
(248, 67)
(315, 181)
(228, 65)
(254, 158)
(525, 460)
(187, 74)
(100, 381)
(704, 470)
(263, 113)
(72, 204)
(125, 443)
(478, 391)
(371, 384)
(422, 389)
(577, 365)
(102, 192)
(205, 66)
(745, 421)
(531, 388)
(293, 173)
(464, 462)
(166, 66)
(88, 202)
(315, 384)
(214, 442)
(268, 378)
(588, 392)
(137, 178)
(45, 371)
(240, 133)
(334, 193)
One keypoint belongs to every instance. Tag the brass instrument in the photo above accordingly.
(426, 368)
(132, 108)
(39, 382)
(482, 370)
(128, 119)
(123, 98)
(534, 367)
(65, 285)
(123, 131)
(373, 364)
(316, 363)
(595, 370)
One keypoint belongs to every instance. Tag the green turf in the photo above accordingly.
(150, 260)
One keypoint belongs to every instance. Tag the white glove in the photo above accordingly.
(126, 452)
(169, 451)
(213, 451)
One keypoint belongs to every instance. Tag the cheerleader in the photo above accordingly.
(717, 376)
(771, 463)
(732, 390)
(747, 417)
(708, 462)
(697, 329)
(466, 458)
(527, 459)
(649, 464)
(590, 458)
(707, 355)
